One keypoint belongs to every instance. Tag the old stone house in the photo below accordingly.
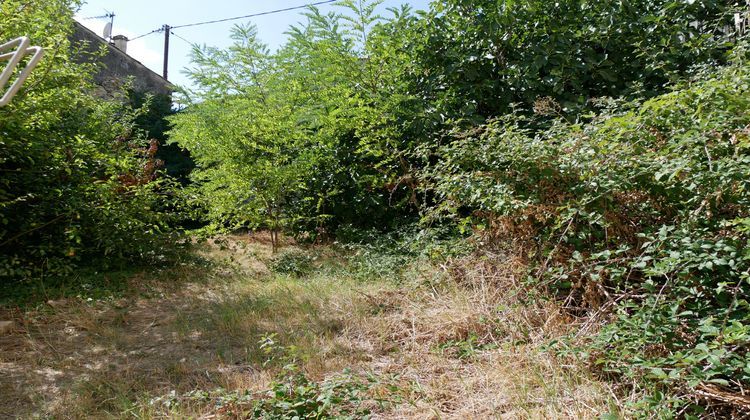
(116, 66)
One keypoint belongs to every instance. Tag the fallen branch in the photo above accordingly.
(713, 392)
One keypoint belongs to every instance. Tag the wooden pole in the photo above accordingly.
(167, 30)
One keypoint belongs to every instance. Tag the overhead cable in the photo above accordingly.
(270, 12)
(191, 43)
(255, 14)
(147, 34)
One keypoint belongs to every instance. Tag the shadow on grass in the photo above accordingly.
(89, 282)
(104, 345)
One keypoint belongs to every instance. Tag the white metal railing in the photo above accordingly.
(14, 51)
(742, 19)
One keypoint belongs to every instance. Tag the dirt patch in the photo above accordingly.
(62, 353)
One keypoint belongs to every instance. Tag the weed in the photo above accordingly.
(465, 349)
(292, 394)
(293, 262)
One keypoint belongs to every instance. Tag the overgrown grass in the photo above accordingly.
(97, 284)
(354, 334)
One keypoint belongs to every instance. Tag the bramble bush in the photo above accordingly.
(642, 213)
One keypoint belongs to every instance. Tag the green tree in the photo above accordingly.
(244, 137)
(480, 59)
(295, 139)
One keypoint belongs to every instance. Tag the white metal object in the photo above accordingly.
(107, 33)
(14, 51)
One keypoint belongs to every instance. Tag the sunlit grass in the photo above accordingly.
(439, 344)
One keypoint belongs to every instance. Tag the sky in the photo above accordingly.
(138, 17)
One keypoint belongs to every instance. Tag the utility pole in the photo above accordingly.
(166, 29)
(111, 16)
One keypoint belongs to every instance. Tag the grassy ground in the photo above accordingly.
(369, 333)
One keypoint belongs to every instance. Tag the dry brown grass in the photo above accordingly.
(504, 374)
(458, 340)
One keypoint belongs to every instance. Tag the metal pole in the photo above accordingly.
(167, 29)
(111, 25)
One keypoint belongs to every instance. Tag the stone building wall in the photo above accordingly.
(116, 66)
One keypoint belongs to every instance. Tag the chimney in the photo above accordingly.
(121, 42)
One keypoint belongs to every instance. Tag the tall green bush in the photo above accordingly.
(481, 59)
(77, 180)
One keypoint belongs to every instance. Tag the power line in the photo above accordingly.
(147, 34)
(191, 44)
(304, 6)
(255, 14)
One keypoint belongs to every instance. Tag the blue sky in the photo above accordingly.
(137, 17)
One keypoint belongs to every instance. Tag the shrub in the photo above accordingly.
(78, 181)
(642, 213)
(293, 262)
